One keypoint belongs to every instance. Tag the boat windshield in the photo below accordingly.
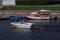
(44, 12)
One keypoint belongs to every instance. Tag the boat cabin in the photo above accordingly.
(45, 13)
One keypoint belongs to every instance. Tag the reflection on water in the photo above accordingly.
(36, 23)
(9, 33)
(21, 30)
(42, 24)
(39, 20)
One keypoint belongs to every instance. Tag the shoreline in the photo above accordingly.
(7, 13)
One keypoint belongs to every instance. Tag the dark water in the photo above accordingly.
(47, 30)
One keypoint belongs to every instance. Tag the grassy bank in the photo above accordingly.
(32, 7)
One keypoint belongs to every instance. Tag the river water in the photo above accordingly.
(46, 30)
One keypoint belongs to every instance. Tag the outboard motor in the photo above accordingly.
(17, 18)
(23, 18)
(53, 18)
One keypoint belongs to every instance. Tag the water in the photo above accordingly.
(47, 30)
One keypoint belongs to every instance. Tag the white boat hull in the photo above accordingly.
(38, 17)
(23, 25)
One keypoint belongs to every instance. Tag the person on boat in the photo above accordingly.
(23, 18)
(14, 19)
(17, 18)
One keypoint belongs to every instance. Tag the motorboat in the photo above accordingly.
(21, 24)
(3, 18)
(42, 14)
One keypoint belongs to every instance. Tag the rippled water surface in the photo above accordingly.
(46, 30)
